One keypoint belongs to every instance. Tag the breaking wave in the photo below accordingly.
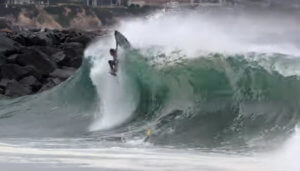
(189, 89)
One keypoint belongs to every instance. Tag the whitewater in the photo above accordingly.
(219, 89)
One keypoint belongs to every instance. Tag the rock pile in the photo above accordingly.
(34, 61)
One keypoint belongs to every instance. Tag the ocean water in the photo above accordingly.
(219, 90)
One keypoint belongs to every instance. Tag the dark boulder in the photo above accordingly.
(63, 74)
(12, 58)
(74, 54)
(75, 62)
(40, 40)
(51, 82)
(15, 89)
(2, 91)
(35, 30)
(54, 81)
(83, 39)
(14, 50)
(32, 38)
(72, 46)
(31, 82)
(57, 37)
(38, 60)
(13, 71)
(22, 38)
(60, 58)
(4, 82)
(2, 59)
(48, 50)
(6, 44)
(33, 71)
(28, 81)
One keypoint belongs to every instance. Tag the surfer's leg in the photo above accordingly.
(111, 65)
(115, 66)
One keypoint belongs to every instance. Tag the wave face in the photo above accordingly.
(194, 90)
(211, 100)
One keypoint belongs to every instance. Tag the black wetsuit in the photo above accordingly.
(113, 65)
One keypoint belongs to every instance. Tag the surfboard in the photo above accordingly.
(122, 40)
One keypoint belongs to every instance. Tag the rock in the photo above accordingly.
(6, 44)
(15, 89)
(38, 60)
(12, 51)
(32, 38)
(4, 82)
(40, 40)
(72, 45)
(57, 37)
(33, 71)
(63, 74)
(13, 71)
(55, 81)
(82, 39)
(35, 29)
(2, 59)
(2, 91)
(75, 62)
(48, 50)
(31, 82)
(74, 54)
(22, 38)
(51, 82)
(60, 58)
(12, 58)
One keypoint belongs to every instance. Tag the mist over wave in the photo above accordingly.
(220, 30)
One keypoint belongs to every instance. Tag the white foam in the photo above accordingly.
(117, 95)
(213, 32)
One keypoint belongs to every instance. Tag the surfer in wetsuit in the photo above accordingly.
(113, 64)
(124, 43)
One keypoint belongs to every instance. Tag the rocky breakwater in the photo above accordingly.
(34, 61)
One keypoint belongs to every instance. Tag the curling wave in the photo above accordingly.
(209, 96)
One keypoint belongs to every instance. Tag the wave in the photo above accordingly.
(209, 100)
(192, 97)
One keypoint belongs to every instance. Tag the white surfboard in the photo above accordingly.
(122, 40)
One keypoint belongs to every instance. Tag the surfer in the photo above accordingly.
(124, 43)
(113, 64)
